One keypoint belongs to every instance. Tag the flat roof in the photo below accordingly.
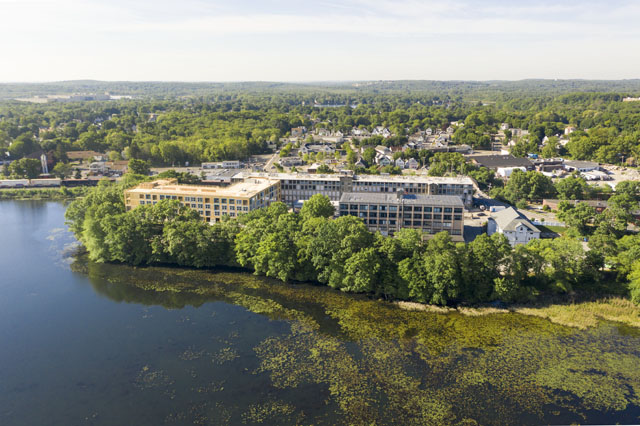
(248, 188)
(495, 161)
(464, 180)
(581, 164)
(409, 199)
(460, 180)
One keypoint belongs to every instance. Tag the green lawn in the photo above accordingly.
(557, 229)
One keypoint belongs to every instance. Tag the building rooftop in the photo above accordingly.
(509, 219)
(464, 180)
(248, 188)
(581, 164)
(460, 180)
(495, 161)
(410, 199)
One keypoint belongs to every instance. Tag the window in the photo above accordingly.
(437, 209)
(447, 209)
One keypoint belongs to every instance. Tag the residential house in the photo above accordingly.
(412, 163)
(297, 132)
(383, 160)
(513, 225)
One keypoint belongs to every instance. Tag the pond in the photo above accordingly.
(101, 344)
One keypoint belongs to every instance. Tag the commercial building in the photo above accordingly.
(388, 213)
(210, 202)
(500, 161)
(296, 187)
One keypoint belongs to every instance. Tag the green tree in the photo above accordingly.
(62, 170)
(317, 206)
(26, 168)
(369, 155)
(578, 216)
(572, 187)
(139, 167)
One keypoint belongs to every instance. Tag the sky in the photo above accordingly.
(324, 40)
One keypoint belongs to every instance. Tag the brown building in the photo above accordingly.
(209, 201)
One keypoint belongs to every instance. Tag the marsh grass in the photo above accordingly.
(586, 314)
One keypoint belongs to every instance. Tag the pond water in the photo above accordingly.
(84, 343)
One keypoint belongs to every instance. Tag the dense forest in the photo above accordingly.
(172, 123)
(344, 254)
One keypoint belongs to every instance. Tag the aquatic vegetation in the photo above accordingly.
(148, 378)
(374, 362)
(189, 354)
(267, 412)
(224, 355)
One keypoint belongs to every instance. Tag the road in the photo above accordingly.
(269, 165)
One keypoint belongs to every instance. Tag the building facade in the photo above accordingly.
(296, 187)
(388, 213)
(212, 203)
(513, 225)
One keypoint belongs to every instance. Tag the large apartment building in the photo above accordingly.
(211, 202)
(296, 187)
(388, 213)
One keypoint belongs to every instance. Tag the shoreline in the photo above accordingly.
(576, 311)
(43, 194)
(581, 314)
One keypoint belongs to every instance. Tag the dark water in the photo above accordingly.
(82, 343)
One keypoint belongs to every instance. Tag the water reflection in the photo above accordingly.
(382, 364)
(211, 347)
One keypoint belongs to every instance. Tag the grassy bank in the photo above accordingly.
(581, 314)
(43, 193)
(586, 314)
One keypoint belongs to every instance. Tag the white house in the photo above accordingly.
(400, 163)
(383, 150)
(383, 160)
(412, 163)
(513, 225)
(505, 172)
(382, 131)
